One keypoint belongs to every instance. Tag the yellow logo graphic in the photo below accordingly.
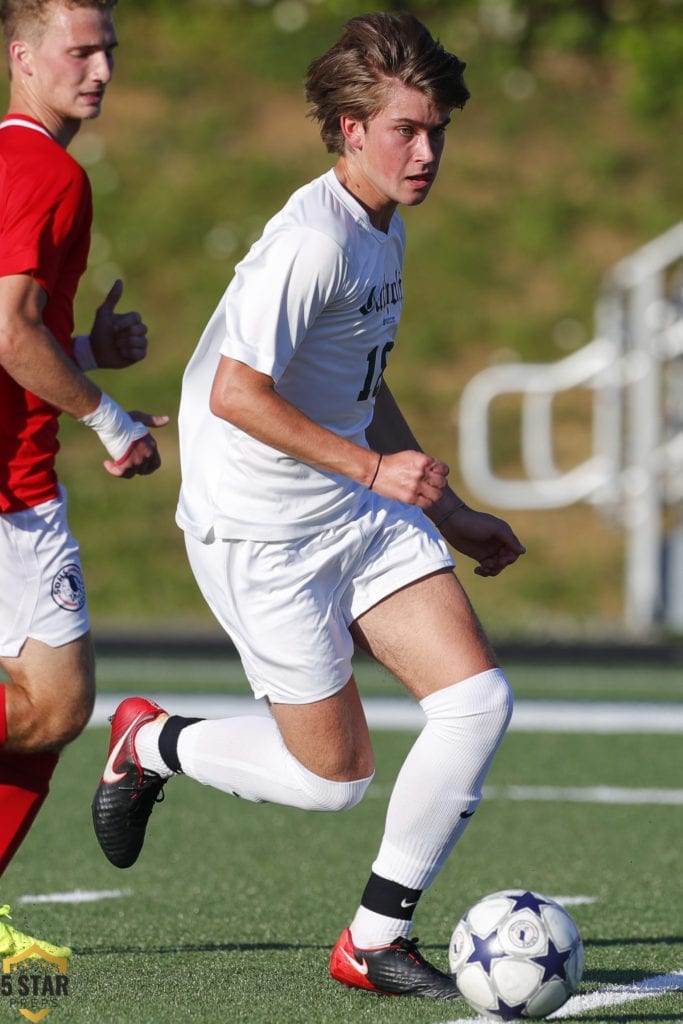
(34, 981)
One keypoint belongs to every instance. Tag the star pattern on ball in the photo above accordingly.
(485, 950)
(529, 901)
(507, 1011)
(553, 962)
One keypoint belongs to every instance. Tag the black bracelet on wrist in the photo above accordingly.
(372, 482)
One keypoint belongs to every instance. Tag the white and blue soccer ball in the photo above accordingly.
(516, 954)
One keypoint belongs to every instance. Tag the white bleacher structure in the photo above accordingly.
(633, 371)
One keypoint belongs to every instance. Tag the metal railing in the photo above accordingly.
(633, 371)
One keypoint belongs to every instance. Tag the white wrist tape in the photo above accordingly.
(83, 354)
(115, 428)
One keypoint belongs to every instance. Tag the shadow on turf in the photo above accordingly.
(212, 947)
(606, 977)
(232, 947)
(196, 947)
(643, 940)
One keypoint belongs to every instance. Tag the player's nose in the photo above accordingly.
(101, 67)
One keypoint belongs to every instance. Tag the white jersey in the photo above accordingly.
(315, 305)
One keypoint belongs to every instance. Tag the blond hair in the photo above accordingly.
(27, 17)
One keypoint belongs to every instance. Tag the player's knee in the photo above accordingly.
(66, 731)
(498, 700)
(329, 795)
(482, 703)
(61, 724)
(353, 792)
(36, 724)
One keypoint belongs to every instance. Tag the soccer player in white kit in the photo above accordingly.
(313, 520)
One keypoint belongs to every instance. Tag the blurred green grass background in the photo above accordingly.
(566, 159)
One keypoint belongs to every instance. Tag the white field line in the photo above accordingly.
(612, 995)
(77, 896)
(401, 713)
(568, 794)
(596, 717)
(574, 901)
(587, 794)
(616, 995)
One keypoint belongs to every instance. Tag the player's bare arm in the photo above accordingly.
(247, 399)
(390, 434)
(487, 539)
(33, 358)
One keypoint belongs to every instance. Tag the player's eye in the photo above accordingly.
(82, 53)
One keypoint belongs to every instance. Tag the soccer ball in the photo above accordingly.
(516, 954)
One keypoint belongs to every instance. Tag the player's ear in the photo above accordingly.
(20, 56)
(353, 131)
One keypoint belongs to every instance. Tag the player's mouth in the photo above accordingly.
(421, 180)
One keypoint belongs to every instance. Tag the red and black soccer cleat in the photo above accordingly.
(127, 792)
(398, 969)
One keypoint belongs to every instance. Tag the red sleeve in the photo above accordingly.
(42, 219)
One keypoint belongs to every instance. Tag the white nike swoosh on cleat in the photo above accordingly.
(361, 967)
(110, 775)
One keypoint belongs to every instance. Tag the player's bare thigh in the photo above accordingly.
(50, 694)
(329, 737)
(426, 634)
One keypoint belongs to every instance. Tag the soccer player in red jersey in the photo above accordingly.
(60, 57)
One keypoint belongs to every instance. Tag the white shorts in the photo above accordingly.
(42, 594)
(288, 605)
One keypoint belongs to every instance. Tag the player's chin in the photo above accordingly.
(91, 108)
(415, 200)
(417, 191)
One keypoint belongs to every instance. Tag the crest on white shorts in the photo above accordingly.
(68, 588)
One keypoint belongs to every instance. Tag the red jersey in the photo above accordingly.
(45, 221)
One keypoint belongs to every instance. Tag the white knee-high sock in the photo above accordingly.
(247, 757)
(437, 790)
(442, 777)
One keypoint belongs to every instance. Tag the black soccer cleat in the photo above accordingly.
(127, 792)
(398, 969)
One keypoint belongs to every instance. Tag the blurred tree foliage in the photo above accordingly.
(648, 34)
